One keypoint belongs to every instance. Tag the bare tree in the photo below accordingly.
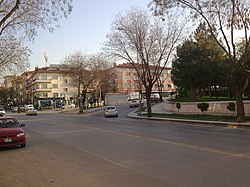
(105, 77)
(20, 19)
(228, 17)
(13, 55)
(82, 70)
(145, 43)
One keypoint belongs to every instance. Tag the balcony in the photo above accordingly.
(42, 90)
(42, 81)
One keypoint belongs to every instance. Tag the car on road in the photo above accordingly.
(21, 108)
(135, 103)
(110, 111)
(11, 133)
(2, 111)
(31, 111)
(14, 109)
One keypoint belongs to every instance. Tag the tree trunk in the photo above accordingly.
(148, 95)
(193, 95)
(240, 107)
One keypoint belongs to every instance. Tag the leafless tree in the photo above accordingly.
(82, 70)
(146, 43)
(228, 17)
(105, 77)
(13, 55)
(20, 20)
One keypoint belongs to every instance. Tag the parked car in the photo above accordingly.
(14, 109)
(11, 132)
(110, 111)
(21, 108)
(2, 111)
(31, 111)
(27, 107)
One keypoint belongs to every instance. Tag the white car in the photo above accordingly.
(110, 111)
(31, 111)
(28, 107)
(2, 111)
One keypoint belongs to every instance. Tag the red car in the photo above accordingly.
(11, 132)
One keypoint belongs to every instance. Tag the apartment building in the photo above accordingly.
(48, 87)
(127, 80)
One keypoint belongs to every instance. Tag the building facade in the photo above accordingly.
(127, 80)
(48, 87)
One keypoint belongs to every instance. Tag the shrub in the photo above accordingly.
(178, 106)
(203, 106)
(231, 107)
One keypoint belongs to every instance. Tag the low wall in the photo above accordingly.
(216, 107)
(116, 99)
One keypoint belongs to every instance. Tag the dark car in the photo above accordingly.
(21, 108)
(11, 133)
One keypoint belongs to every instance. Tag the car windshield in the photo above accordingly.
(8, 123)
(1, 109)
(111, 108)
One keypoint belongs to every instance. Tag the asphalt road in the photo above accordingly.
(93, 151)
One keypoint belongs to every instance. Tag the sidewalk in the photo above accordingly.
(158, 108)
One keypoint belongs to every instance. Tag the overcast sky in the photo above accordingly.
(85, 29)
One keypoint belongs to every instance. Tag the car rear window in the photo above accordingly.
(111, 108)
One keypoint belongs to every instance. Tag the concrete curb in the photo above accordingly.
(210, 123)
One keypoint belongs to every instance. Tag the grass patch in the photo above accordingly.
(200, 117)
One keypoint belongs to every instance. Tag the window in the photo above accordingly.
(44, 86)
(44, 94)
(65, 81)
(65, 89)
(54, 85)
(55, 94)
(43, 77)
(55, 77)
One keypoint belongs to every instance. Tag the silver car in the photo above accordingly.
(110, 111)
(31, 111)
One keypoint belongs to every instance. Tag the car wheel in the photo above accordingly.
(23, 145)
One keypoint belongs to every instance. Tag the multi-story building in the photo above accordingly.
(127, 80)
(48, 87)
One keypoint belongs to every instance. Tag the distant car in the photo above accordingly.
(110, 111)
(31, 111)
(2, 111)
(134, 103)
(27, 107)
(14, 109)
(11, 132)
(21, 108)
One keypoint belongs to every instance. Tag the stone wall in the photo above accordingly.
(216, 107)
